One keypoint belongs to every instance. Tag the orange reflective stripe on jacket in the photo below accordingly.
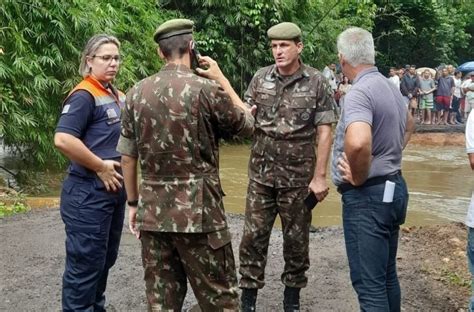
(101, 95)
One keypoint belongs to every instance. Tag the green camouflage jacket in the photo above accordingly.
(289, 109)
(172, 122)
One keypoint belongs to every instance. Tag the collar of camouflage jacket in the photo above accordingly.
(301, 72)
(176, 67)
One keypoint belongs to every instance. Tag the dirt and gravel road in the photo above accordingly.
(431, 268)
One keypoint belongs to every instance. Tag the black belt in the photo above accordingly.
(369, 182)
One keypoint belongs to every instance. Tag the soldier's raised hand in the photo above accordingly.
(212, 72)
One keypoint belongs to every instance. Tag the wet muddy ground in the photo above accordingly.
(432, 268)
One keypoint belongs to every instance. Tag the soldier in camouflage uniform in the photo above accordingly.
(294, 107)
(171, 126)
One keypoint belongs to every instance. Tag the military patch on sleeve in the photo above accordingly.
(66, 109)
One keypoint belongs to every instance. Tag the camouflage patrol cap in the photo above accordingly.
(173, 27)
(284, 31)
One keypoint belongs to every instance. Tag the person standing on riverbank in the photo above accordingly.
(92, 198)
(374, 127)
(343, 87)
(444, 96)
(468, 89)
(409, 86)
(329, 71)
(393, 77)
(427, 87)
(470, 213)
(295, 111)
(455, 114)
(171, 125)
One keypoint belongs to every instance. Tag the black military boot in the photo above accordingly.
(291, 301)
(248, 299)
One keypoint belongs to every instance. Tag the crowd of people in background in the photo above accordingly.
(441, 96)
(339, 83)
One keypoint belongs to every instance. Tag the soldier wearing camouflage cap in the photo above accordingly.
(171, 126)
(295, 110)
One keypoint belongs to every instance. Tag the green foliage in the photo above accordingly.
(12, 206)
(323, 21)
(424, 33)
(41, 41)
(40, 44)
(235, 32)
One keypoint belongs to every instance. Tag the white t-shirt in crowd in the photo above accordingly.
(457, 87)
(331, 77)
(470, 150)
(468, 84)
(395, 80)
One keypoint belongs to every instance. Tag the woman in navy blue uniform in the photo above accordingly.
(92, 198)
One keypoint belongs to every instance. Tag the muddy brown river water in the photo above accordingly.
(439, 179)
(440, 183)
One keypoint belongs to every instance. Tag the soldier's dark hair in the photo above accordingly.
(176, 46)
(297, 40)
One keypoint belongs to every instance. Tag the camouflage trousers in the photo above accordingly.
(263, 205)
(206, 259)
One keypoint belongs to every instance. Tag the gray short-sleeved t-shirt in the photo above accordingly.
(426, 85)
(445, 86)
(375, 100)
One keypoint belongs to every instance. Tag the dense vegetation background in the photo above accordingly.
(41, 41)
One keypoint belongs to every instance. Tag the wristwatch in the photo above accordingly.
(132, 203)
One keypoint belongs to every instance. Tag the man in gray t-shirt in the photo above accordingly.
(374, 127)
(375, 101)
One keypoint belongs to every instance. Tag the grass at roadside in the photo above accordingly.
(455, 278)
(10, 206)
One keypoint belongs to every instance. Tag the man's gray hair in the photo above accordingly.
(356, 46)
